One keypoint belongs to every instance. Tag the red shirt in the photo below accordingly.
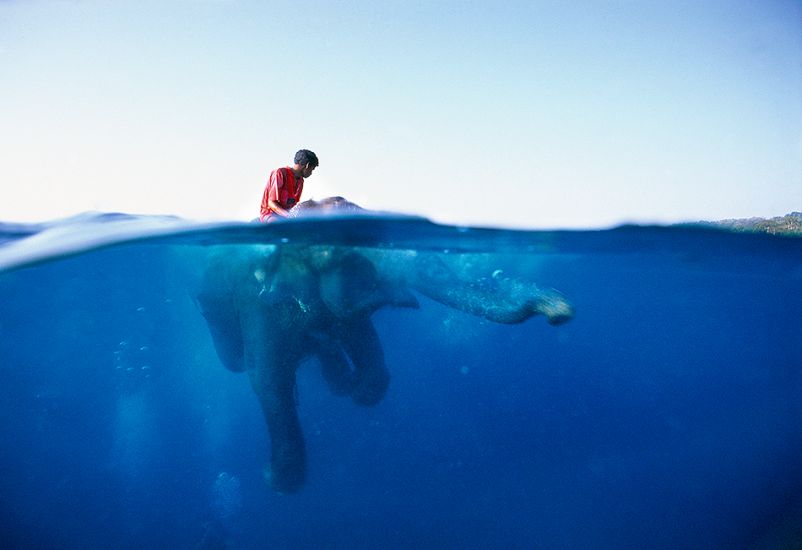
(282, 187)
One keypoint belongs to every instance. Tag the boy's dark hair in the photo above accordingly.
(305, 156)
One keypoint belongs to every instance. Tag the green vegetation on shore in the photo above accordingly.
(790, 224)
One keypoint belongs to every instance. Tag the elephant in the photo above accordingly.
(270, 308)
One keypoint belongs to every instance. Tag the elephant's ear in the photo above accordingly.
(224, 327)
(353, 288)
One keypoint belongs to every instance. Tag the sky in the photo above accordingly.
(542, 114)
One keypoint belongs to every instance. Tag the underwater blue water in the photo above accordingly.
(666, 414)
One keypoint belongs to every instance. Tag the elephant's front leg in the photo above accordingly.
(275, 389)
(273, 351)
(361, 342)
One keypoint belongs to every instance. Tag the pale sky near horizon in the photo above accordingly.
(523, 114)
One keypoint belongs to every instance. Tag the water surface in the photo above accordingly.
(665, 414)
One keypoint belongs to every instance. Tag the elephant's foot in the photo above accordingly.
(287, 470)
(367, 382)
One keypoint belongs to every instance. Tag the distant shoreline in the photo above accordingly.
(790, 224)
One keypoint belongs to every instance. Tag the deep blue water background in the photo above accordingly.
(667, 414)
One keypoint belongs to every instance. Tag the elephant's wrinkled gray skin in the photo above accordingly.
(270, 308)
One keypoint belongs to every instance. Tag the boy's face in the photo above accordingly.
(308, 169)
